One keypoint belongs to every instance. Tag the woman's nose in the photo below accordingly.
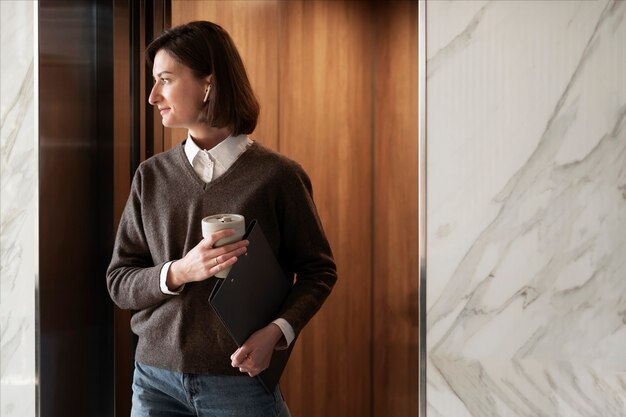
(154, 96)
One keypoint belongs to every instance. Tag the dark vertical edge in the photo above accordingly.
(123, 341)
(151, 131)
(135, 124)
(141, 80)
(37, 352)
(75, 204)
(279, 12)
(167, 24)
(158, 18)
(37, 62)
(167, 14)
(422, 201)
(102, 388)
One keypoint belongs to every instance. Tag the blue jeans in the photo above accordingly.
(162, 393)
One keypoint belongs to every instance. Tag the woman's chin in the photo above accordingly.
(166, 122)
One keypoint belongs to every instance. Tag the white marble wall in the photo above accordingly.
(18, 199)
(526, 208)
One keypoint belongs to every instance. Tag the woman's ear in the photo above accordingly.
(207, 90)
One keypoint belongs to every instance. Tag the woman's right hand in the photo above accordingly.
(204, 261)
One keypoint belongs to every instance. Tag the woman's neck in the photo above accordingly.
(207, 137)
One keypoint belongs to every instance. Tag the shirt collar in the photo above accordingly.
(224, 153)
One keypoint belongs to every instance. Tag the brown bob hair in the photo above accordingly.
(206, 48)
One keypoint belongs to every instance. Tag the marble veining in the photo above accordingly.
(526, 244)
(18, 204)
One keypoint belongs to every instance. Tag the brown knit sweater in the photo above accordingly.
(162, 222)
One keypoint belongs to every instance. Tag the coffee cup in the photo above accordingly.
(216, 222)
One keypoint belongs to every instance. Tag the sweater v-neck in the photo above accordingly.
(204, 186)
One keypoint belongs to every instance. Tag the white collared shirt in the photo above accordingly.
(220, 158)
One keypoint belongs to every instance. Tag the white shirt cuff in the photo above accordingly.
(163, 280)
(287, 330)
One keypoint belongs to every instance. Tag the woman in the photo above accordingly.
(186, 364)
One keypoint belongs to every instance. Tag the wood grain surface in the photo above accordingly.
(337, 83)
(253, 25)
(396, 212)
(325, 124)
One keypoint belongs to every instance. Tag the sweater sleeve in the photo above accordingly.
(133, 280)
(306, 249)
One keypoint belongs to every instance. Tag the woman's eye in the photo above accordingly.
(164, 81)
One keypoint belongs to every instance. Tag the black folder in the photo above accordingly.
(251, 296)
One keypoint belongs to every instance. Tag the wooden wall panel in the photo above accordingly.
(325, 108)
(396, 212)
(337, 82)
(253, 25)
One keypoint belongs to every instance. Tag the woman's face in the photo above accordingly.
(177, 92)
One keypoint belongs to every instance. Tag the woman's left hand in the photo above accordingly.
(254, 356)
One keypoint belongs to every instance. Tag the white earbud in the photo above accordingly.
(206, 96)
